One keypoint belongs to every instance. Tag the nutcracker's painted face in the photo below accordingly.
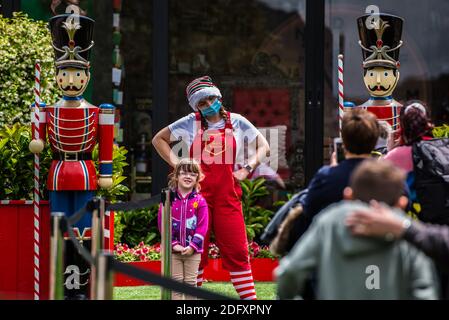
(72, 81)
(381, 81)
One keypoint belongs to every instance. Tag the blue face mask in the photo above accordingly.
(213, 109)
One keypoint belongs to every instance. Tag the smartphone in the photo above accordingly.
(338, 148)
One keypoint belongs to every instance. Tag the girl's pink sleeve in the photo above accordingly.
(202, 225)
(203, 218)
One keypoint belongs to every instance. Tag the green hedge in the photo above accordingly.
(22, 42)
(135, 226)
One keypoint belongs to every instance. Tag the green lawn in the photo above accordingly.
(265, 291)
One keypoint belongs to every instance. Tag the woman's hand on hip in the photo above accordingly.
(241, 174)
(161, 143)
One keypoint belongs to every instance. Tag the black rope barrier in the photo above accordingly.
(165, 282)
(83, 251)
(127, 269)
(90, 206)
(119, 206)
(133, 205)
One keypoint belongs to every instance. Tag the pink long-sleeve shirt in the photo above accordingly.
(189, 220)
(401, 157)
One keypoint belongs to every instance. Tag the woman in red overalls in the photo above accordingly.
(214, 137)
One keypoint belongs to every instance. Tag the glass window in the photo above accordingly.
(254, 52)
(136, 48)
(424, 72)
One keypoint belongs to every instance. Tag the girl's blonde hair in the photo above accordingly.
(186, 165)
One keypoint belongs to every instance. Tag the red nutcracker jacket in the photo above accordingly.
(72, 133)
(385, 108)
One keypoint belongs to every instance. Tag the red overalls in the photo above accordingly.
(216, 151)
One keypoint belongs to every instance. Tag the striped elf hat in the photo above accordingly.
(199, 89)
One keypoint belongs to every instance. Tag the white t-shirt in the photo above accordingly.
(244, 133)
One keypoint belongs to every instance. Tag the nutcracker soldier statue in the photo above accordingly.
(380, 39)
(72, 127)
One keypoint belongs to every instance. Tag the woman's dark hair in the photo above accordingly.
(415, 122)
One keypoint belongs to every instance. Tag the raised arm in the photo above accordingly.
(433, 240)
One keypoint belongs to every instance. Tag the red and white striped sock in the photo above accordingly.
(199, 278)
(244, 284)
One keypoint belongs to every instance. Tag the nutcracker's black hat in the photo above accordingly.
(72, 40)
(380, 39)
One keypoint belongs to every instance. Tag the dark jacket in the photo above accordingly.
(325, 188)
(328, 184)
(433, 240)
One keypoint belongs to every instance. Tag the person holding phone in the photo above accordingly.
(338, 153)
(360, 131)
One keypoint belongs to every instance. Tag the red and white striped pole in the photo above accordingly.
(37, 99)
(341, 97)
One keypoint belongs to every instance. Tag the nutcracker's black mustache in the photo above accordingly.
(379, 88)
(71, 88)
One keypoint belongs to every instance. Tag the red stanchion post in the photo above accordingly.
(341, 97)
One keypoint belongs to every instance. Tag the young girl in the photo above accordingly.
(189, 222)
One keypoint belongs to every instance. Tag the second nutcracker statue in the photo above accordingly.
(380, 39)
(72, 127)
